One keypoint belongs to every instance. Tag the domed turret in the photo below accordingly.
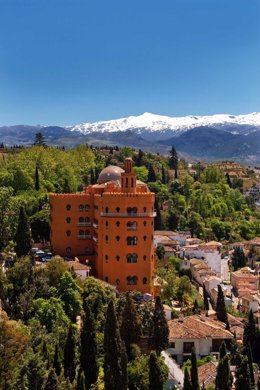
(110, 173)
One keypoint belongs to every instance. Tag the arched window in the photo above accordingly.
(81, 220)
(118, 209)
(144, 280)
(68, 219)
(144, 238)
(117, 258)
(106, 258)
(68, 207)
(87, 233)
(145, 223)
(134, 210)
(106, 209)
(106, 238)
(81, 207)
(144, 257)
(145, 209)
(87, 220)
(68, 232)
(81, 233)
(87, 207)
(129, 210)
(117, 238)
(117, 282)
(117, 223)
(129, 280)
(134, 280)
(132, 257)
(68, 249)
(106, 223)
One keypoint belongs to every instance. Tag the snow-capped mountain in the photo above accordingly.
(161, 127)
(201, 137)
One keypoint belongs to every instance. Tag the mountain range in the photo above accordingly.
(206, 138)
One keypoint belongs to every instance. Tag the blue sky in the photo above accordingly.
(71, 61)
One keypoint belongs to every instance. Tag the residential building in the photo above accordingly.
(109, 226)
(249, 302)
(244, 281)
(204, 334)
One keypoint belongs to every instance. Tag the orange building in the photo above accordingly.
(110, 225)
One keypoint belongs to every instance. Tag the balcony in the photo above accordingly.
(84, 237)
(84, 223)
(130, 215)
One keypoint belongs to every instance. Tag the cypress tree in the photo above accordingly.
(156, 378)
(139, 158)
(114, 367)
(151, 174)
(250, 366)
(205, 298)
(159, 332)
(52, 381)
(92, 176)
(23, 237)
(252, 337)
(195, 307)
(238, 258)
(194, 371)
(39, 140)
(130, 328)
(164, 178)
(228, 180)
(70, 354)
(222, 350)
(224, 377)
(80, 381)
(158, 218)
(243, 376)
(187, 382)
(37, 181)
(221, 310)
(88, 354)
(174, 161)
(56, 361)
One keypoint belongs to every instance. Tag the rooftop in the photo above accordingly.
(197, 327)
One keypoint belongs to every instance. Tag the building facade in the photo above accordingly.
(110, 226)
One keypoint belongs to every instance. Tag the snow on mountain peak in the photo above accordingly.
(164, 124)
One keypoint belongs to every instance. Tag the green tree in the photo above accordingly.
(164, 176)
(115, 377)
(56, 361)
(243, 376)
(70, 294)
(224, 376)
(205, 298)
(173, 161)
(81, 381)
(151, 174)
(238, 258)
(88, 351)
(39, 139)
(130, 328)
(69, 362)
(50, 313)
(250, 366)
(187, 383)
(158, 218)
(37, 180)
(23, 237)
(194, 371)
(159, 332)
(252, 337)
(157, 374)
(52, 381)
(222, 350)
(221, 310)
